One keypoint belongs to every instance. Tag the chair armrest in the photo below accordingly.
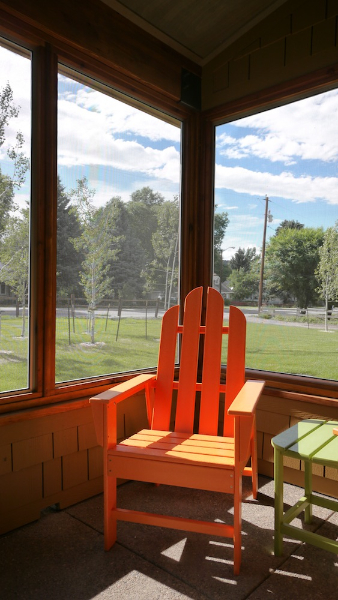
(104, 407)
(124, 390)
(246, 400)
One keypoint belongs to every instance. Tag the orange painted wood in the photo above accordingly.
(235, 375)
(165, 370)
(335, 430)
(207, 527)
(209, 407)
(97, 411)
(246, 400)
(193, 440)
(178, 455)
(166, 472)
(202, 460)
(123, 390)
(185, 410)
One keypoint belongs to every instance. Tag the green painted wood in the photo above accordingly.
(328, 455)
(324, 502)
(295, 510)
(296, 432)
(311, 538)
(315, 440)
(308, 489)
(278, 466)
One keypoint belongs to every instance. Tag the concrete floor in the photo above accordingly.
(61, 556)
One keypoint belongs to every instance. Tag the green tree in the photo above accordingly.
(162, 272)
(95, 245)
(14, 256)
(8, 183)
(292, 259)
(288, 224)
(327, 271)
(68, 258)
(242, 259)
(143, 210)
(6, 199)
(245, 281)
(127, 260)
(221, 222)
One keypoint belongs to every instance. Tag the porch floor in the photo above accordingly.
(61, 556)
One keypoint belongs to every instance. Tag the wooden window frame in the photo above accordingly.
(197, 204)
(47, 54)
(300, 387)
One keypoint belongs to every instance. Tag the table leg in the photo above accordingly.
(278, 462)
(308, 489)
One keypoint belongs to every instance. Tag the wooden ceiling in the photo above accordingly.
(198, 29)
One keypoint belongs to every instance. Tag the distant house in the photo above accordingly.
(5, 290)
(225, 289)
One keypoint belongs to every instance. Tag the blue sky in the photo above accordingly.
(289, 154)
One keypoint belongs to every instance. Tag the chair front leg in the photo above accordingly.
(254, 466)
(237, 521)
(110, 484)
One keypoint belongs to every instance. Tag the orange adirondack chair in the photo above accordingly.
(203, 460)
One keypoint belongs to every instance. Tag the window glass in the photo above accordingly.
(15, 143)
(118, 230)
(276, 182)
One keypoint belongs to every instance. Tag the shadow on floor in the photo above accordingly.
(61, 556)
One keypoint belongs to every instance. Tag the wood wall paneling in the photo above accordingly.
(74, 469)
(95, 462)
(33, 451)
(101, 32)
(87, 436)
(295, 40)
(65, 441)
(20, 488)
(5, 459)
(52, 477)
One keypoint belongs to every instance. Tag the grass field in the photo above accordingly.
(281, 348)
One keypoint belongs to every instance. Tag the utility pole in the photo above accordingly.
(267, 216)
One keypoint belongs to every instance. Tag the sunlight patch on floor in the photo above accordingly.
(289, 574)
(175, 552)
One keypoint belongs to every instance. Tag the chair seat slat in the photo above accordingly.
(173, 455)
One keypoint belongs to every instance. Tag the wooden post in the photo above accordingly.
(107, 316)
(68, 321)
(146, 319)
(260, 295)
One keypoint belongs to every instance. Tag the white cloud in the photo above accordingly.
(284, 185)
(120, 117)
(84, 139)
(307, 129)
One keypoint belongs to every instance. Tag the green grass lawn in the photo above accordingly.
(286, 349)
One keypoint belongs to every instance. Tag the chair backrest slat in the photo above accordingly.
(186, 395)
(235, 375)
(166, 370)
(209, 407)
(187, 386)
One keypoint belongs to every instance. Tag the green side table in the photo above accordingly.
(313, 441)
